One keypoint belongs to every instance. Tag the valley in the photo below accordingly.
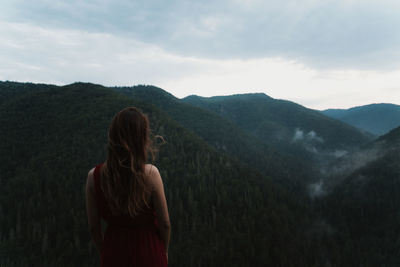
(250, 180)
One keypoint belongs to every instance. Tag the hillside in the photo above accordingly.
(369, 153)
(365, 206)
(280, 121)
(226, 209)
(222, 212)
(288, 169)
(287, 127)
(377, 119)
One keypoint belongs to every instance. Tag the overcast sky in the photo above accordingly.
(321, 54)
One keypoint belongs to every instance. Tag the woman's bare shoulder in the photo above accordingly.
(153, 174)
(90, 180)
(151, 170)
(90, 173)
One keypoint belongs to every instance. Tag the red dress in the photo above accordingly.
(129, 241)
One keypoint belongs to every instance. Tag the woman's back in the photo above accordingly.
(129, 195)
(129, 241)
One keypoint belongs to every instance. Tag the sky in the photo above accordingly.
(320, 54)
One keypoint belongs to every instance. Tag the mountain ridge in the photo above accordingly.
(378, 118)
(53, 136)
(285, 125)
(225, 209)
(225, 136)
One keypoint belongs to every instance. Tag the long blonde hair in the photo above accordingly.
(123, 173)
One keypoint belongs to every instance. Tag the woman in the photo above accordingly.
(128, 195)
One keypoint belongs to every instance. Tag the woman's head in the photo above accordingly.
(128, 137)
(123, 177)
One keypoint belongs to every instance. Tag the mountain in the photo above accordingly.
(364, 206)
(377, 119)
(227, 137)
(222, 211)
(287, 127)
(222, 168)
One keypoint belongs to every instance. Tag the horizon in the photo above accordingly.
(180, 98)
(321, 55)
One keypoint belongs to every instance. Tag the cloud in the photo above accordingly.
(36, 54)
(51, 55)
(339, 153)
(317, 189)
(310, 137)
(309, 140)
(328, 34)
(298, 135)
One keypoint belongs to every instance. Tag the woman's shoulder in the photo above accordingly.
(90, 180)
(91, 172)
(151, 170)
(152, 174)
(92, 176)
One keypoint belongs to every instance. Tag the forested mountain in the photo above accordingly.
(369, 153)
(227, 137)
(377, 119)
(225, 208)
(283, 122)
(222, 212)
(365, 206)
(289, 128)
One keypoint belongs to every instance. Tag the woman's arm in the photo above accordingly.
(92, 212)
(160, 205)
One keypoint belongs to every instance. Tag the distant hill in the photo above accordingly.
(377, 119)
(228, 138)
(285, 125)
